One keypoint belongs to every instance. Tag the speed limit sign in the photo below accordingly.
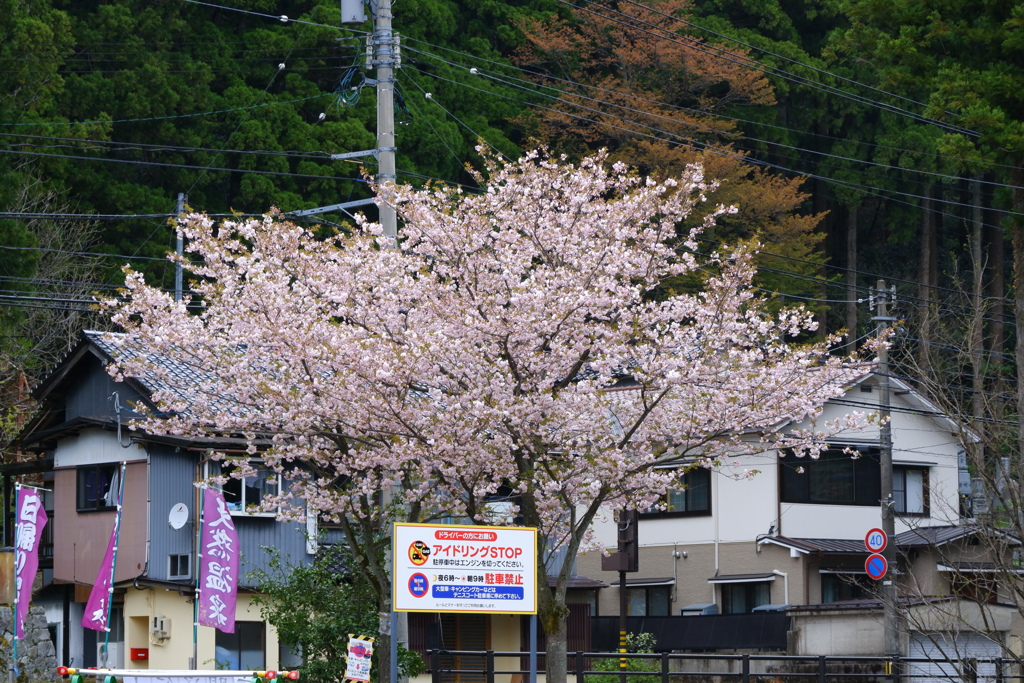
(875, 541)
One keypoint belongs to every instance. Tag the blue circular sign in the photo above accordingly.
(876, 566)
(418, 585)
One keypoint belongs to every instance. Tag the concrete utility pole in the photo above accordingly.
(880, 298)
(384, 58)
(180, 248)
(382, 53)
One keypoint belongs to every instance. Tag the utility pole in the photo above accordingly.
(880, 299)
(384, 55)
(180, 247)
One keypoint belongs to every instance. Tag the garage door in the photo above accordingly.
(962, 657)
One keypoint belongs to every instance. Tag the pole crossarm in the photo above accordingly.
(333, 207)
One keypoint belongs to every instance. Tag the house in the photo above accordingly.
(83, 427)
(779, 556)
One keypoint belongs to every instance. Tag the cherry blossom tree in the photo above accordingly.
(505, 347)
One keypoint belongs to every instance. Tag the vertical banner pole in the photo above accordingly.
(113, 563)
(13, 673)
(198, 511)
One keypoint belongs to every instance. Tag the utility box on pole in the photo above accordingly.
(627, 557)
(353, 11)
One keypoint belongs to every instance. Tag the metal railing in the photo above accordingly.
(459, 666)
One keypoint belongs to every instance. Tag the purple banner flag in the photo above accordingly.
(31, 520)
(97, 609)
(218, 564)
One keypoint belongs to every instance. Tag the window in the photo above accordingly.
(179, 566)
(839, 585)
(974, 586)
(742, 598)
(834, 478)
(647, 601)
(98, 486)
(242, 494)
(693, 499)
(244, 649)
(910, 490)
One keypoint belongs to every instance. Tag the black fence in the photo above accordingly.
(763, 631)
(460, 666)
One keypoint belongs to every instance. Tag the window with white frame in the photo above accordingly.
(242, 495)
(694, 498)
(910, 489)
(179, 566)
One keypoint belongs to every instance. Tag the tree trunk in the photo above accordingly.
(851, 273)
(554, 617)
(926, 279)
(1017, 180)
(978, 265)
(996, 286)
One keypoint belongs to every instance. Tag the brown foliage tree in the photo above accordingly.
(633, 81)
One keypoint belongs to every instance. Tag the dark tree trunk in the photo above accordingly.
(851, 273)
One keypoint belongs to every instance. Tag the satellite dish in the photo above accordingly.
(178, 516)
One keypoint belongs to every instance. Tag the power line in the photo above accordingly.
(141, 162)
(751, 63)
(665, 136)
(163, 118)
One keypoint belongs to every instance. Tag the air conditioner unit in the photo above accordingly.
(699, 609)
(161, 627)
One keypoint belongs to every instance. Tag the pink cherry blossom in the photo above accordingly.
(505, 344)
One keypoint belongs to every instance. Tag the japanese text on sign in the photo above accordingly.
(451, 568)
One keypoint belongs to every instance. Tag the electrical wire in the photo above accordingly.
(721, 53)
(664, 136)
(161, 118)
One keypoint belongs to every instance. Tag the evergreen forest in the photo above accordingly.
(863, 141)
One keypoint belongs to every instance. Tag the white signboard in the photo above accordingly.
(455, 568)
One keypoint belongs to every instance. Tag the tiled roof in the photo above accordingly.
(174, 374)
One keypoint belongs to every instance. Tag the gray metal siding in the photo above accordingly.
(173, 473)
(90, 393)
(258, 533)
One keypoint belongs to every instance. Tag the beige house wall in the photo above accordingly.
(174, 652)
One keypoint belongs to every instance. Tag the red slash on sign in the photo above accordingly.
(876, 566)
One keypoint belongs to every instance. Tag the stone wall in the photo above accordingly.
(37, 659)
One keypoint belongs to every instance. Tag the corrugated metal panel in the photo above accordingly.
(176, 471)
(173, 473)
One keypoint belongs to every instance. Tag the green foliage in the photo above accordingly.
(315, 606)
(636, 643)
